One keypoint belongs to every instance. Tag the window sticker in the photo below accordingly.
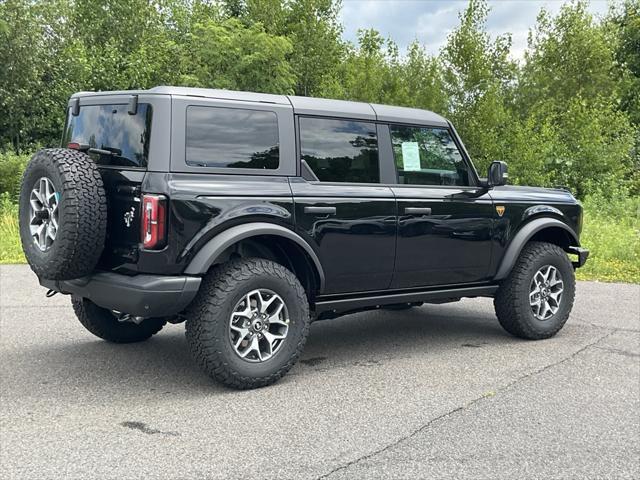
(410, 157)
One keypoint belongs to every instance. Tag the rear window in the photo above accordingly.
(232, 138)
(111, 128)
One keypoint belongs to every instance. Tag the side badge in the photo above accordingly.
(500, 210)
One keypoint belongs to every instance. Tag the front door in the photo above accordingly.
(342, 209)
(444, 221)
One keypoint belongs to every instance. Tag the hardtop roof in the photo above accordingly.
(301, 105)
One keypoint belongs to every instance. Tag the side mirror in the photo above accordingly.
(497, 174)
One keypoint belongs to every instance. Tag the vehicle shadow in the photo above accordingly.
(163, 364)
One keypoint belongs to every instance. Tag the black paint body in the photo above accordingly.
(371, 244)
(376, 239)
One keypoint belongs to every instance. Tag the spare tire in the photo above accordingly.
(63, 214)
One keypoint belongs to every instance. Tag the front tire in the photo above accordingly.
(104, 324)
(249, 323)
(535, 300)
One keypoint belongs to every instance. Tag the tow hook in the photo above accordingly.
(50, 293)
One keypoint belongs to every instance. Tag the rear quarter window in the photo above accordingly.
(232, 138)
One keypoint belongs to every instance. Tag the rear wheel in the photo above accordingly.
(249, 323)
(111, 326)
(535, 300)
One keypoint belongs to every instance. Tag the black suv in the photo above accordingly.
(250, 215)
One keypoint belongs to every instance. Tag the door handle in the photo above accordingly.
(418, 210)
(321, 210)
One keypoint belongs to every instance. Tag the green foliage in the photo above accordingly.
(612, 233)
(625, 30)
(227, 54)
(11, 168)
(478, 78)
(10, 247)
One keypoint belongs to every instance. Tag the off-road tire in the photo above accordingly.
(82, 214)
(103, 323)
(512, 298)
(209, 314)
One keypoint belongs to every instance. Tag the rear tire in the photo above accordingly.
(221, 323)
(103, 323)
(519, 306)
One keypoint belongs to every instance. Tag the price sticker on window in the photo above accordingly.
(410, 156)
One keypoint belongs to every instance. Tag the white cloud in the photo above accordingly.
(430, 21)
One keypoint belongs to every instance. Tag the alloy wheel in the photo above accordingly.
(43, 213)
(545, 293)
(258, 325)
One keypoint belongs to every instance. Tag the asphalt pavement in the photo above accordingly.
(439, 391)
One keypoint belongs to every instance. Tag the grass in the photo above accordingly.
(611, 232)
(10, 248)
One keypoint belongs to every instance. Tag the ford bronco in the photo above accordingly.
(250, 215)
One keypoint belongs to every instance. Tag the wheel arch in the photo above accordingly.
(543, 229)
(288, 247)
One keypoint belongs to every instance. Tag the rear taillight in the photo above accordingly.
(154, 221)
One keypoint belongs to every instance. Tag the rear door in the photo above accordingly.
(340, 206)
(445, 219)
(121, 141)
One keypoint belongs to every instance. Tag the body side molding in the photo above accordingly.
(523, 236)
(212, 249)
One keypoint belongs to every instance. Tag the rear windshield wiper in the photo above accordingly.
(83, 147)
(116, 152)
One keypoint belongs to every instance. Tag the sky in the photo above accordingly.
(430, 21)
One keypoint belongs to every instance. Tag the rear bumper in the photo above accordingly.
(139, 295)
(582, 254)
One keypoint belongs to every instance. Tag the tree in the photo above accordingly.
(479, 77)
(43, 63)
(568, 87)
(228, 54)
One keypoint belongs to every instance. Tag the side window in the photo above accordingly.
(232, 138)
(427, 156)
(340, 150)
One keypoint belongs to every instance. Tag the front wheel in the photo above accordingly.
(249, 323)
(535, 300)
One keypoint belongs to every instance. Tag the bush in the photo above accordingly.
(11, 168)
(612, 234)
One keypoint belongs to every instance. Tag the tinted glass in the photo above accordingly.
(232, 138)
(110, 127)
(340, 150)
(427, 156)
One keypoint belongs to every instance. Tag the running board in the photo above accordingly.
(342, 305)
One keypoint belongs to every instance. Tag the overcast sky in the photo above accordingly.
(429, 21)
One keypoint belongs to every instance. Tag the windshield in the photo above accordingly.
(123, 137)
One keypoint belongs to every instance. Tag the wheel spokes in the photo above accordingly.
(545, 292)
(43, 213)
(258, 325)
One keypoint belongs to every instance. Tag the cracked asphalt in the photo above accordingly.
(440, 391)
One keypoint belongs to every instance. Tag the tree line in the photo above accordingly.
(567, 114)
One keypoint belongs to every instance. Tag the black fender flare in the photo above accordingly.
(523, 236)
(208, 254)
